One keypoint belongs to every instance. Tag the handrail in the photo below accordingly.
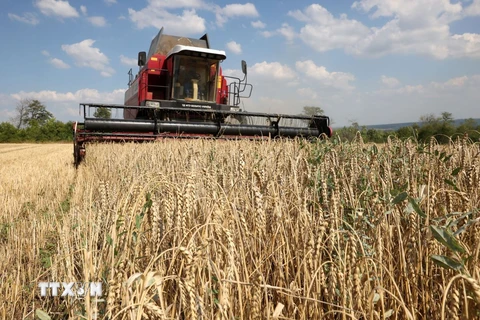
(235, 89)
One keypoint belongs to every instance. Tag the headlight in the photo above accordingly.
(153, 104)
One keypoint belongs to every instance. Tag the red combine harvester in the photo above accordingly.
(180, 92)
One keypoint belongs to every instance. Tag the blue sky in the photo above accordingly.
(370, 61)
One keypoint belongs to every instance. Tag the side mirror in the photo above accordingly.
(142, 58)
(244, 67)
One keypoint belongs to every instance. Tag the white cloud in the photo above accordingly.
(59, 64)
(413, 13)
(267, 34)
(234, 47)
(258, 24)
(293, 83)
(452, 88)
(28, 17)
(110, 2)
(287, 31)
(7, 107)
(392, 39)
(97, 21)
(465, 45)
(273, 70)
(403, 90)
(83, 9)
(156, 15)
(415, 27)
(340, 80)
(6, 115)
(64, 105)
(239, 10)
(46, 53)
(131, 62)
(59, 8)
(307, 93)
(390, 81)
(324, 32)
(473, 9)
(457, 82)
(232, 73)
(235, 10)
(411, 89)
(85, 55)
(175, 4)
(85, 95)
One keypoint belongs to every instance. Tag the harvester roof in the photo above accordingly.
(199, 52)
(164, 43)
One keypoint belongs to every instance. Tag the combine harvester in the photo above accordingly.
(180, 92)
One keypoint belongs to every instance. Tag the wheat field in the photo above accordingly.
(202, 229)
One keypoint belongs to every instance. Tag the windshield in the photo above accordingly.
(194, 78)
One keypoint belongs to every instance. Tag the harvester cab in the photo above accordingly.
(180, 91)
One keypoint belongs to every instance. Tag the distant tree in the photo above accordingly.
(470, 128)
(441, 128)
(355, 125)
(375, 136)
(349, 133)
(428, 118)
(8, 132)
(102, 112)
(18, 120)
(406, 132)
(312, 111)
(447, 117)
(37, 113)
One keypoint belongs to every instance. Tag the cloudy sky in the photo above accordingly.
(370, 61)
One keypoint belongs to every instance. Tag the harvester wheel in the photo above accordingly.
(78, 154)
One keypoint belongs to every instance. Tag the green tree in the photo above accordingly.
(469, 127)
(428, 118)
(441, 128)
(36, 112)
(312, 111)
(8, 132)
(375, 136)
(102, 112)
(447, 117)
(406, 132)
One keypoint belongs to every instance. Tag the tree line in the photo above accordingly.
(442, 128)
(32, 122)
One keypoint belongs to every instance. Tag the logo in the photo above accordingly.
(70, 289)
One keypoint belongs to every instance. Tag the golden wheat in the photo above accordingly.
(238, 229)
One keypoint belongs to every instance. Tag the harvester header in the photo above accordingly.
(180, 91)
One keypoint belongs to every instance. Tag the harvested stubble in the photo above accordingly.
(223, 230)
